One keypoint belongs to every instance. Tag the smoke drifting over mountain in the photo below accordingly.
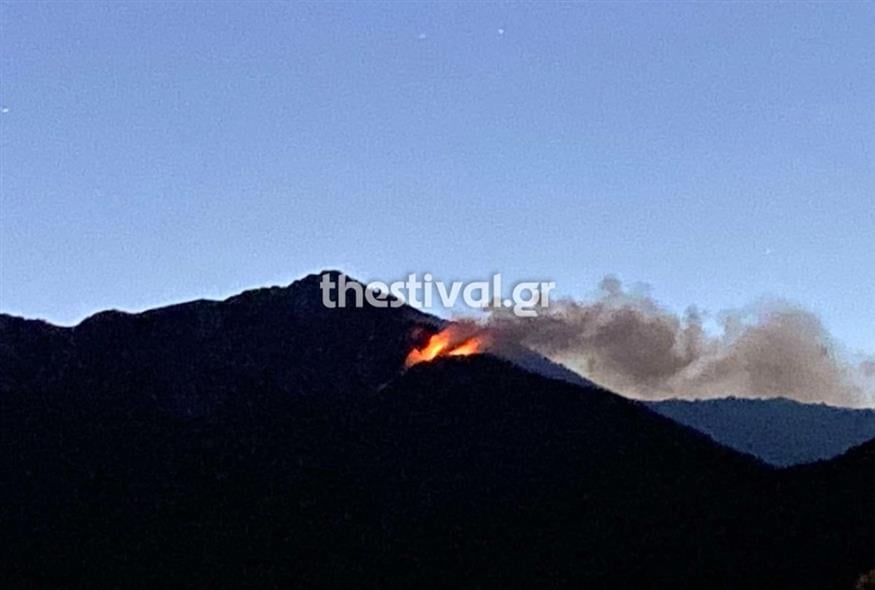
(629, 343)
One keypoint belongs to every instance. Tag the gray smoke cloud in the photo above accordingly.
(629, 343)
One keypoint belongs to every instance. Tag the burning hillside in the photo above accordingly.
(456, 340)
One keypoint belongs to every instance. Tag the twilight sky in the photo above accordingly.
(152, 153)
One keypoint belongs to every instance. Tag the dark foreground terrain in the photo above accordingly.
(266, 441)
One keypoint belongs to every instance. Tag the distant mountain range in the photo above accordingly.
(266, 441)
(780, 431)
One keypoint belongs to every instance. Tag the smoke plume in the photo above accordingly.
(629, 343)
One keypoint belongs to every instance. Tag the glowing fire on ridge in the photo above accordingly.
(445, 343)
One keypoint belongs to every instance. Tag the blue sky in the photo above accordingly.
(159, 152)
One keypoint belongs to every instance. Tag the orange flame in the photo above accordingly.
(445, 344)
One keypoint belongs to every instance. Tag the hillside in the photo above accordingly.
(266, 441)
(779, 431)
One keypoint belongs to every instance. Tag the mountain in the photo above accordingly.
(537, 363)
(779, 431)
(266, 441)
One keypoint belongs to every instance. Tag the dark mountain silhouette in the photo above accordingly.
(537, 363)
(782, 432)
(266, 441)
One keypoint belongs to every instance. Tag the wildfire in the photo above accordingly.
(447, 342)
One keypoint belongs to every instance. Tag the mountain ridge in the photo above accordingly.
(266, 440)
(781, 431)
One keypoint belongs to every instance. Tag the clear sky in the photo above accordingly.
(159, 152)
